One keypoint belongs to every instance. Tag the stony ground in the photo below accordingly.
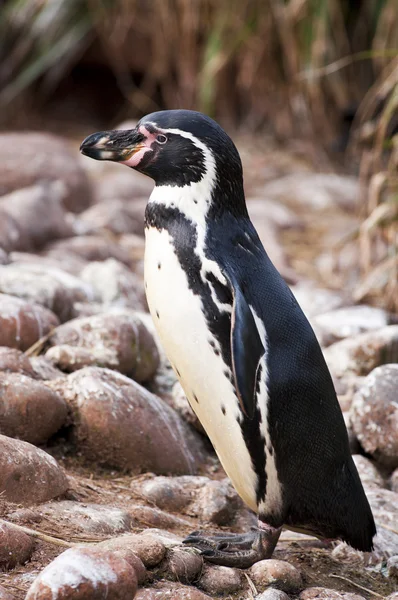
(102, 462)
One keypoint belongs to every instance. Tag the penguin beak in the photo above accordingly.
(118, 145)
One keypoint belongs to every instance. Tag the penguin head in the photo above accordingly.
(175, 148)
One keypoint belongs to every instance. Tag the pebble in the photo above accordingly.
(171, 591)
(320, 593)
(69, 263)
(182, 565)
(220, 580)
(147, 547)
(116, 340)
(374, 415)
(4, 258)
(86, 517)
(15, 361)
(29, 157)
(44, 369)
(362, 353)
(81, 573)
(126, 186)
(119, 423)
(51, 288)
(278, 573)
(272, 594)
(4, 594)
(384, 505)
(23, 323)
(368, 472)
(316, 301)
(115, 284)
(28, 475)
(12, 236)
(153, 517)
(39, 212)
(171, 493)
(29, 410)
(116, 216)
(216, 502)
(90, 248)
(349, 321)
(16, 547)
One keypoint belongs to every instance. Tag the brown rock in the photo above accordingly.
(147, 547)
(39, 213)
(52, 288)
(172, 493)
(15, 361)
(320, 593)
(124, 185)
(172, 591)
(364, 352)
(12, 236)
(4, 258)
(272, 594)
(28, 157)
(277, 573)
(28, 475)
(220, 580)
(44, 369)
(374, 414)
(153, 517)
(86, 517)
(4, 594)
(217, 502)
(115, 216)
(117, 340)
(89, 248)
(316, 301)
(349, 321)
(368, 472)
(182, 565)
(115, 284)
(16, 547)
(29, 410)
(82, 573)
(23, 323)
(69, 263)
(384, 504)
(119, 423)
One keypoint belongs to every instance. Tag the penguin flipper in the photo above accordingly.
(247, 351)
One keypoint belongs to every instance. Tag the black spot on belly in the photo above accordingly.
(195, 398)
(217, 352)
(159, 265)
(178, 372)
(157, 314)
(270, 449)
(223, 409)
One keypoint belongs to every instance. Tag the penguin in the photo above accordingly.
(238, 341)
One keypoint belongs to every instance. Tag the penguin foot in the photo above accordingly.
(241, 550)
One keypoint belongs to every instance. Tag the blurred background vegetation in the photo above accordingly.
(320, 70)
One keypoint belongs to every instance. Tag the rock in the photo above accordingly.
(81, 573)
(220, 580)
(278, 214)
(346, 322)
(16, 547)
(171, 591)
(277, 573)
(115, 216)
(125, 186)
(180, 403)
(52, 288)
(216, 502)
(364, 352)
(394, 481)
(4, 258)
(320, 593)
(374, 415)
(28, 409)
(147, 547)
(171, 493)
(27, 158)
(15, 361)
(12, 236)
(90, 248)
(23, 323)
(384, 505)
(86, 517)
(39, 213)
(153, 517)
(115, 284)
(116, 340)
(390, 597)
(392, 568)
(316, 301)
(315, 190)
(44, 369)
(272, 594)
(119, 423)
(4, 594)
(28, 475)
(182, 565)
(368, 472)
(69, 263)
(269, 237)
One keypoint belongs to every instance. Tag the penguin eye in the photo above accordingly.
(161, 139)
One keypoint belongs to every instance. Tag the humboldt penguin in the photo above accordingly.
(245, 354)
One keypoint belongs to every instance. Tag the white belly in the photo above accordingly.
(182, 329)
